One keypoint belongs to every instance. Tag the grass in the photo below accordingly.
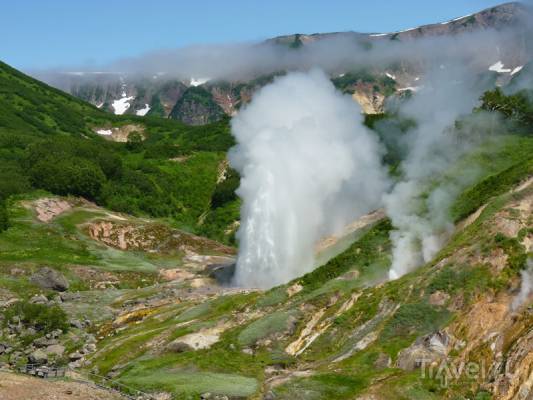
(263, 327)
(371, 249)
(504, 164)
(190, 384)
(414, 319)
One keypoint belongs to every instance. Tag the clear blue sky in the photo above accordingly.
(53, 33)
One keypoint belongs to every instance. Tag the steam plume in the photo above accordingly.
(526, 289)
(417, 208)
(308, 167)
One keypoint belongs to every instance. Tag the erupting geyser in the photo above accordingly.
(308, 167)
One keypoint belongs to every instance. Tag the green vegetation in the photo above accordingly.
(380, 83)
(41, 317)
(193, 98)
(362, 254)
(414, 319)
(467, 279)
(4, 217)
(504, 162)
(44, 144)
(275, 322)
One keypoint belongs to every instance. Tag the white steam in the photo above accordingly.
(418, 209)
(308, 167)
(526, 289)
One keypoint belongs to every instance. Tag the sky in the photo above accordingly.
(42, 34)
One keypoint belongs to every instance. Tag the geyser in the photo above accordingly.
(308, 167)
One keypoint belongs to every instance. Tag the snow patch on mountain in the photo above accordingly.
(199, 81)
(499, 67)
(122, 105)
(143, 111)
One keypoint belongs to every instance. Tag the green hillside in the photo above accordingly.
(48, 141)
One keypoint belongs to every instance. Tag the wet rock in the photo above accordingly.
(222, 273)
(48, 278)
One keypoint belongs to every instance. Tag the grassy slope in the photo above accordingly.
(396, 330)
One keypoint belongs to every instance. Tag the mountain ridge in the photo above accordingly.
(161, 94)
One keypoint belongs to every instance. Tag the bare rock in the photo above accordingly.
(426, 350)
(39, 299)
(382, 361)
(439, 298)
(38, 357)
(48, 278)
(56, 350)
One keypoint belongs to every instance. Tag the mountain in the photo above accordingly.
(200, 101)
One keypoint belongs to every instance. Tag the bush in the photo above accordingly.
(42, 318)
(75, 176)
(414, 319)
(4, 220)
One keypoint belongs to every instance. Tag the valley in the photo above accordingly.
(385, 213)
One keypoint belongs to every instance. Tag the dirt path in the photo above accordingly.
(20, 387)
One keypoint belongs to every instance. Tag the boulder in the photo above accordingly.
(89, 348)
(39, 299)
(38, 357)
(76, 323)
(3, 348)
(56, 350)
(67, 296)
(222, 273)
(178, 347)
(426, 350)
(44, 342)
(382, 361)
(48, 278)
(75, 356)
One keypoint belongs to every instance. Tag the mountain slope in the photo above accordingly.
(53, 141)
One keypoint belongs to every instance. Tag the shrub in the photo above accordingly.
(4, 220)
(414, 319)
(41, 317)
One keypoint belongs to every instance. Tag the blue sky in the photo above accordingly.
(40, 34)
